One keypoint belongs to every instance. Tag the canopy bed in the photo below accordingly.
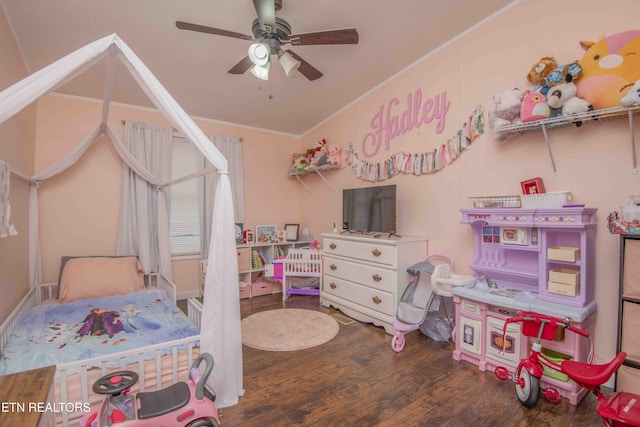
(220, 318)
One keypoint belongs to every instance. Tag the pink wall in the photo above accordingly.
(79, 208)
(594, 162)
(17, 149)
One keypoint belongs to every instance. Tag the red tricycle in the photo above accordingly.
(617, 409)
(185, 404)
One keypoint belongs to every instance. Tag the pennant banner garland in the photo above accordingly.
(419, 163)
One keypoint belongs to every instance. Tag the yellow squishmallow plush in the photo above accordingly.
(610, 67)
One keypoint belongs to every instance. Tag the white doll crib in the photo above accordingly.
(302, 272)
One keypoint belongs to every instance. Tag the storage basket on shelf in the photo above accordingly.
(487, 202)
(550, 200)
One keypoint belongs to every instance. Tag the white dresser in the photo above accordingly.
(364, 277)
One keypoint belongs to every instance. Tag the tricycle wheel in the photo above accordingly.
(204, 422)
(527, 387)
(397, 343)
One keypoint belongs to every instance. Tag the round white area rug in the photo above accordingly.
(287, 329)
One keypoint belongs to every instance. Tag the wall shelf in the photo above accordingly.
(317, 170)
(569, 121)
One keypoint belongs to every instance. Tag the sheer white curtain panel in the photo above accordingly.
(142, 202)
(231, 149)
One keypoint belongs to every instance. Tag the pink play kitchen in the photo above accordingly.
(535, 259)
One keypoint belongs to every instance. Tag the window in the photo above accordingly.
(184, 220)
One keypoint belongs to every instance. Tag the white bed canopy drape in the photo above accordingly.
(220, 331)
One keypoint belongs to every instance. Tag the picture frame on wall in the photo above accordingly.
(291, 232)
(239, 233)
(532, 186)
(265, 233)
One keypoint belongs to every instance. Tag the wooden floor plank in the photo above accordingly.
(356, 379)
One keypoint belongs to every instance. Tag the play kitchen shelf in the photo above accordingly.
(542, 261)
(479, 337)
(548, 252)
(597, 116)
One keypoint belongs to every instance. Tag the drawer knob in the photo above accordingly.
(376, 252)
(376, 300)
(332, 285)
(238, 253)
(333, 246)
(376, 278)
(333, 267)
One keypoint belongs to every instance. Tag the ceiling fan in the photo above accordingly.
(269, 34)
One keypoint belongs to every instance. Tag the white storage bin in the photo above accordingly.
(551, 200)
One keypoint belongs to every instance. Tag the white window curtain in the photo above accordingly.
(6, 223)
(138, 228)
(231, 148)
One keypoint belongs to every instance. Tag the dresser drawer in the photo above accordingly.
(244, 257)
(378, 278)
(372, 252)
(374, 299)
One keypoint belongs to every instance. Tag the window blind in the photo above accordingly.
(184, 226)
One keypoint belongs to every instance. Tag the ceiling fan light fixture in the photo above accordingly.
(261, 71)
(259, 53)
(288, 62)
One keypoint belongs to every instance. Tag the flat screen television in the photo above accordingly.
(369, 209)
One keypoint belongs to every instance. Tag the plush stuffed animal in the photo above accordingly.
(541, 69)
(633, 95)
(505, 109)
(299, 162)
(534, 107)
(321, 154)
(610, 68)
(334, 155)
(309, 154)
(546, 74)
(563, 100)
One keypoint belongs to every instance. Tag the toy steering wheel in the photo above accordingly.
(115, 382)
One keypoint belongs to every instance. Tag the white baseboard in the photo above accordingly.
(187, 295)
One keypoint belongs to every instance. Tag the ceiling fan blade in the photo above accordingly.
(210, 30)
(306, 69)
(345, 36)
(266, 11)
(242, 66)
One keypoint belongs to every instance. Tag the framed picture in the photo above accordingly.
(248, 237)
(265, 233)
(282, 237)
(532, 186)
(291, 232)
(239, 233)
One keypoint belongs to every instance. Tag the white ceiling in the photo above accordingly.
(193, 66)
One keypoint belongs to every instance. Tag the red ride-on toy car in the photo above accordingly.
(183, 404)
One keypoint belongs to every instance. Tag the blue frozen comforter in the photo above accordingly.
(60, 333)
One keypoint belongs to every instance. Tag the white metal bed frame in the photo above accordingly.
(46, 291)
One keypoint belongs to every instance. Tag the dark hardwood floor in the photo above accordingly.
(356, 379)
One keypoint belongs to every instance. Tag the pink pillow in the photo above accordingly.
(100, 276)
